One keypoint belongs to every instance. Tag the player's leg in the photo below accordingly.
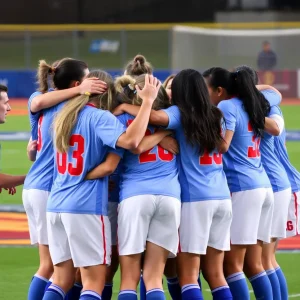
(75, 291)
(193, 243)
(155, 260)
(219, 241)
(172, 278)
(162, 239)
(64, 271)
(246, 211)
(278, 231)
(253, 263)
(35, 203)
(90, 246)
(134, 218)
(112, 269)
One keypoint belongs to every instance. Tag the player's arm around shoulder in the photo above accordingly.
(106, 168)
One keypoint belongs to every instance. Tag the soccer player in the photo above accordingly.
(197, 125)
(281, 188)
(7, 182)
(252, 197)
(293, 227)
(149, 207)
(68, 74)
(77, 208)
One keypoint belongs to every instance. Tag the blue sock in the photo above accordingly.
(74, 292)
(127, 295)
(37, 288)
(261, 286)
(238, 286)
(222, 293)
(107, 291)
(89, 295)
(274, 283)
(191, 292)
(155, 294)
(142, 289)
(48, 284)
(54, 292)
(199, 282)
(282, 283)
(174, 288)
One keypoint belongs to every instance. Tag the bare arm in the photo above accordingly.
(223, 148)
(262, 87)
(170, 144)
(43, 101)
(151, 141)
(157, 117)
(106, 168)
(136, 130)
(31, 149)
(271, 127)
(10, 181)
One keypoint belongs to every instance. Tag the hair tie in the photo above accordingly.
(52, 70)
(132, 87)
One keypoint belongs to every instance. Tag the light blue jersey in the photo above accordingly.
(242, 161)
(33, 117)
(201, 176)
(282, 155)
(153, 172)
(40, 175)
(275, 170)
(95, 131)
(113, 195)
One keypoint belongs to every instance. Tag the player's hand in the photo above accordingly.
(93, 86)
(118, 110)
(150, 90)
(170, 144)
(32, 146)
(11, 191)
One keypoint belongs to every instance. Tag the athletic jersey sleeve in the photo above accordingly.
(33, 118)
(108, 128)
(173, 113)
(273, 97)
(230, 114)
(119, 151)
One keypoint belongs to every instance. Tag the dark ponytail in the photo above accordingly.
(254, 102)
(241, 84)
(201, 121)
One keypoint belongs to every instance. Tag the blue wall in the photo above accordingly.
(21, 84)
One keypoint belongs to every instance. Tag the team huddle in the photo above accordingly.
(170, 179)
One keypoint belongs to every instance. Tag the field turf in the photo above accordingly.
(19, 264)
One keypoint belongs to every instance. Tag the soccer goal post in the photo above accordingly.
(202, 48)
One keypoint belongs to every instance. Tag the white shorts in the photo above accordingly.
(293, 224)
(282, 201)
(153, 218)
(35, 204)
(112, 213)
(205, 223)
(83, 238)
(252, 214)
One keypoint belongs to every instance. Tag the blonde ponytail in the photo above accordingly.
(66, 120)
(44, 70)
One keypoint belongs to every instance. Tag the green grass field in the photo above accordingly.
(17, 265)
